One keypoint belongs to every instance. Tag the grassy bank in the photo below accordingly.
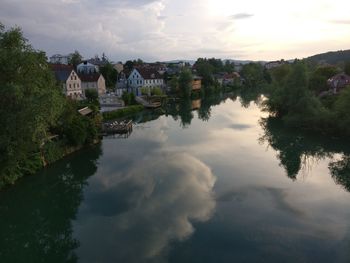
(111, 115)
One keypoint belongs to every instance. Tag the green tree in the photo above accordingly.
(110, 74)
(30, 103)
(75, 59)
(347, 68)
(185, 80)
(253, 74)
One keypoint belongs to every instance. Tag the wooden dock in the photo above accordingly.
(115, 127)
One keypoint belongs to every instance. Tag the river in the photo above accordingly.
(206, 181)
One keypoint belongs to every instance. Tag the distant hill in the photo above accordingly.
(332, 57)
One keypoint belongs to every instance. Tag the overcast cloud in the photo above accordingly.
(169, 29)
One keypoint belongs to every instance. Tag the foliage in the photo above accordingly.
(253, 74)
(347, 67)
(129, 98)
(342, 111)
(30, 102)
(185, 80)
(112, 115)
(75, 59)
(144, 91)
(156, 91)
(174, 84)
(319, 77)
(91, 95)
(110, 74)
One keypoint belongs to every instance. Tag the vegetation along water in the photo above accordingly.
(258, 171)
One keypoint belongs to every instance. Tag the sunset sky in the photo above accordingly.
(182, 29)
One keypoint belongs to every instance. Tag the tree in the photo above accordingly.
(347, 68)
(110, 74)
(253, 73)
(185, 80)
(129, 65)
(30, 103)
(76, 59)
(91, 95)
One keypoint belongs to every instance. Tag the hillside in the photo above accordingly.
(332, 57)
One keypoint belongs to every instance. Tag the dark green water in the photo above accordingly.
(218, 184)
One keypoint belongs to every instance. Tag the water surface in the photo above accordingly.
(220, 183)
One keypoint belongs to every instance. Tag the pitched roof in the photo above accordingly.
(89, 77)
(339, 81)
(148, 73)
(85, 111)
(62, 72)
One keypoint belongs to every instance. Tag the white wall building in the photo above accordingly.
(144, 77)
(87, 68)
(71, 83)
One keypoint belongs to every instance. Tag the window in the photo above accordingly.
(74, 85)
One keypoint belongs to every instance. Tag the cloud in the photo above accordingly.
(341, 21)
(139, 213)
(241, 16)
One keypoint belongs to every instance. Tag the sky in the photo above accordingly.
(162, 30)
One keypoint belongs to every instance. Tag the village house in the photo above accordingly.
(86, 68)
(69, 79)
(121, 85)
(144, 77)
(93, 81)
(338, 82)
(230, 78)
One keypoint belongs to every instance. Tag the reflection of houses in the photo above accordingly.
(230, 78)
(196, 104)
(196, 83)
(60, 59)
(93, 81)
(338, 82)
(71, 83)
(144, 77)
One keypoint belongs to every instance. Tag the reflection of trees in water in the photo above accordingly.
(35, 221)
(340, 171)
(296, 150)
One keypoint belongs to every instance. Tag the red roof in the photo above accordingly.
(61, 67)
(89, 77)
(148, 73)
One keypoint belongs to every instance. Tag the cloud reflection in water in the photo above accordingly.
(145, 209)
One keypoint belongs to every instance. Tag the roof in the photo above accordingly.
(339, 81)
(149, 73)
(62, 72)
(85, 111)
(89, 77)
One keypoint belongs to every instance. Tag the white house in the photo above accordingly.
(87, 68)
(69, 79)
(144, 77)
(93, 81)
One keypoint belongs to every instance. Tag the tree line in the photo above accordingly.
(38, 123)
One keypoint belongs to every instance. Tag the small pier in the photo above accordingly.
(115, 127)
